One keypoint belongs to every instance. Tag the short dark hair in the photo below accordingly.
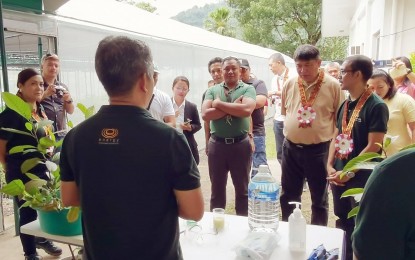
(379, 73)
(120, 61)
(306, 52)
(181, 78)
(361, 63)
(277, 57)
(214, 60)
(25, 75)
(232, 58)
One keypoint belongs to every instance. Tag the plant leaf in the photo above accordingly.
(20, 148)
(32, 186)
(70, 124)
(353, 212)
(353, 164)
(29, 164)
(32, 176)
(28, 126)
(73, 214)
(17, 104)
(46, 142)
(14, 188)
(16, 131)
(408, 147)
(352, 192)
(30, 150)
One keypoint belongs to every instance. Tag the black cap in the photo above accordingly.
(244, 63)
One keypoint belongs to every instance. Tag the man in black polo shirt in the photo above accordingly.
(361, 124)
(131, 174)
(259, 156)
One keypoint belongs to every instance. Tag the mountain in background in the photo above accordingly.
(196, 16)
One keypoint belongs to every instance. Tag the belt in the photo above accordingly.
(229, 140)
(307, 146)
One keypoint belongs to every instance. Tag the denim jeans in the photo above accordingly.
(259, 156)
(279, 138)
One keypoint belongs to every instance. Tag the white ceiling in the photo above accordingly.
(336, 17)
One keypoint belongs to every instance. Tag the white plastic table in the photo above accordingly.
(220, 247)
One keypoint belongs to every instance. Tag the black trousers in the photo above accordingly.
(301, 161)
(26, 215)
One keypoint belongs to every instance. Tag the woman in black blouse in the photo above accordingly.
(30, 85)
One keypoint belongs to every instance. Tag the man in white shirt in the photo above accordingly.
(276, 64)
(161, 107)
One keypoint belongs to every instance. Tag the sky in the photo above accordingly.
(169, 8)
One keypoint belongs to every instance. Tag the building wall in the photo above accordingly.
(384, 28)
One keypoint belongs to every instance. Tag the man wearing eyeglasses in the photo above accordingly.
(361, 125)
(56, 100)
(259, 156)
(229, 106)
(309, 102)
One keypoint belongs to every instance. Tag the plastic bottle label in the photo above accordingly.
(263, 196)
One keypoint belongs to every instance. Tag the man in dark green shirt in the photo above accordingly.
(228, 106)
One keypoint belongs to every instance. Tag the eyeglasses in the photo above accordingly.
(343, 72)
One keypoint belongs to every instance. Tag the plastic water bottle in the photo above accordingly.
(263, 194)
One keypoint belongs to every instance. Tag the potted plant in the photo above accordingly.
(39, 194)
(365, 161)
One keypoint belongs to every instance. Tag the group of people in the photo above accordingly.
(149, 175)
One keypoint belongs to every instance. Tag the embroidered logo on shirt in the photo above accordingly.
(108, 136)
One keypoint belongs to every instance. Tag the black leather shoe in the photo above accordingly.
(33, 257)
(49, 248)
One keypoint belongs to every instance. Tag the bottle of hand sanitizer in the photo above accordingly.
(297, 229)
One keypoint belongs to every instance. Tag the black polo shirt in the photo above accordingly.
(126, 165)
(373, 117)
(258, 114)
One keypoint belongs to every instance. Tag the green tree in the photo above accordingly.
(142, 5)
(279, 24)
(333, 48)
(219, 21)
(412, 59)
(146, 6)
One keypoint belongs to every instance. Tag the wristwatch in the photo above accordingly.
(350, 174)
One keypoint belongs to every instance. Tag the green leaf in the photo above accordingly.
(73, 214)
(29, 164)
(14, 188)
(70, 124)
(26, 204)
(30, 151)
(17, 104)
(20, 148)
(32, 186)
(16, 131)
(408, 147)
(352, 192)
(353, 164)
(353, 212)
(32, 176)
(387, 142)
(59, 143)
(46, 142)
(88, 112)
(28, 126)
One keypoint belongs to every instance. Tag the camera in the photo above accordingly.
(59, 91)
